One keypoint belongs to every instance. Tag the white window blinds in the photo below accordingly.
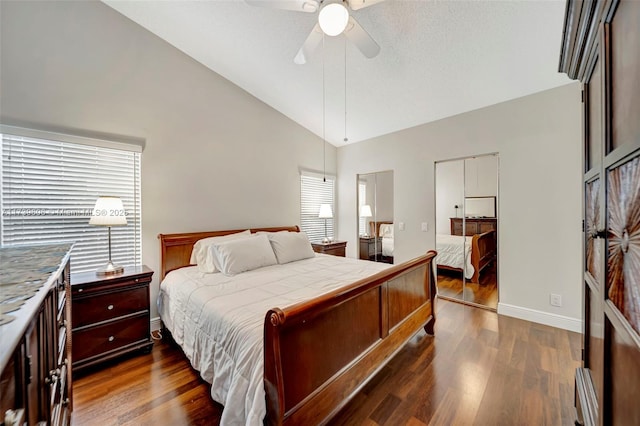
(313, 192)
(50, 187)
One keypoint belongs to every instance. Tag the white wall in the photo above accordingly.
(538, 140)
(215, 156)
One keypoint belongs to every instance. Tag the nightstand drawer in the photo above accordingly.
(103, 307)
(99, 340)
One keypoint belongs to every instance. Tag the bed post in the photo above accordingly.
(431, 272)
(273, 381)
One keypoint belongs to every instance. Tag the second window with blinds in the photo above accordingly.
(316, 190)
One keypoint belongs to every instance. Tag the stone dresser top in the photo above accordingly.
(26, 275)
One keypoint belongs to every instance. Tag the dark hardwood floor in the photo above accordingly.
(485, 293)
(480, 368)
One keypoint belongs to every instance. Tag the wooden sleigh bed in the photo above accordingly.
(318, 354)
(483, 252)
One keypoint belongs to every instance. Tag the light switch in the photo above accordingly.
(401, 226)
(425, 226)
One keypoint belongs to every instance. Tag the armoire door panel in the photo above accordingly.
(592, 219)
(624, 37)
(623, 239)
(594, 357)
(594, 117)
(624, 365)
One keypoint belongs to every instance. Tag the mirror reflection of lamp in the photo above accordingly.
(325, 213)
(365, 211)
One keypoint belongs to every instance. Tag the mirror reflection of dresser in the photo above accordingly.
(477, 225)
(370, 247)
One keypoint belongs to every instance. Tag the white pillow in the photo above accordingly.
(290, 246)
(386, 230)
(200, 254)
(237, 256)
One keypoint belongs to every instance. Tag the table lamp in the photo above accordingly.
(109, 212)
(325, 213)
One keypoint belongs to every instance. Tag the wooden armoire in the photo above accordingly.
(601, 48)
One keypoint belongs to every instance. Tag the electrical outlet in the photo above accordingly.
(425, 226)
(555, 300)
(401, 226)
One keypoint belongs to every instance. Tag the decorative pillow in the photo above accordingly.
(200, 254)
(290, 246)
(233, 257)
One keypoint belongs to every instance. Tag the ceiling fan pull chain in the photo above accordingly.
(345, 90)
(324, 141)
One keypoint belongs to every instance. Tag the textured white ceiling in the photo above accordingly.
(437, 58)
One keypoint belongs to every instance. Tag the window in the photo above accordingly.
(313, 192)
(50, 184)
(362, 197)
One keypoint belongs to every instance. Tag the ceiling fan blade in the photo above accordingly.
(359, 4)
(363, 41)
(309, 6)
(309, 45)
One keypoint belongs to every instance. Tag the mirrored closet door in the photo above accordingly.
(375, 216)
(467, 229)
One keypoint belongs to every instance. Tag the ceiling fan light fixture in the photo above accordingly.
(333, 19)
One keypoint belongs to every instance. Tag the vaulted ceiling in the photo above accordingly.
(437, 58)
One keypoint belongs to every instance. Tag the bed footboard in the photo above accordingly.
(483, 251)
(319, 353)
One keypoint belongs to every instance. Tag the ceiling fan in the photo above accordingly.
(333, 19)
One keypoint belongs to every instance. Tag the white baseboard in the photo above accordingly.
(540, 317)
(156, 324)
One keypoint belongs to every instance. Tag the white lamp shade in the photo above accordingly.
(325, 211)
(333, 19)
(108, 211)
(365, 211)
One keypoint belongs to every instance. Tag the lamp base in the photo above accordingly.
(326, 240)
(110, 269)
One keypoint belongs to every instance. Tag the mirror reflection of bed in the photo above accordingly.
(466, 230)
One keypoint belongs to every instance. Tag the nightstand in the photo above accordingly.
(335, 248)
(110, 315)
(370, 247)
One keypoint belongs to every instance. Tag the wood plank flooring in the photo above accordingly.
(480, 368)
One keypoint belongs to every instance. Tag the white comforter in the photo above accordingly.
(218, 321)
(450, 253)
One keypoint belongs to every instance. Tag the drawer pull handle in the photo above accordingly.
(110, 307)
(80, 290)
(111, 338)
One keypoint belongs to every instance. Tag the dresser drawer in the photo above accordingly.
(106, 306)
(101, 339)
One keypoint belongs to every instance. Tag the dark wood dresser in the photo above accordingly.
(35, 381)
(474, 225)
(335, 248)
(601, 48)
(111, 315)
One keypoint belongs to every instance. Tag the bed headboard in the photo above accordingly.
(375, 227)
(175, 249)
